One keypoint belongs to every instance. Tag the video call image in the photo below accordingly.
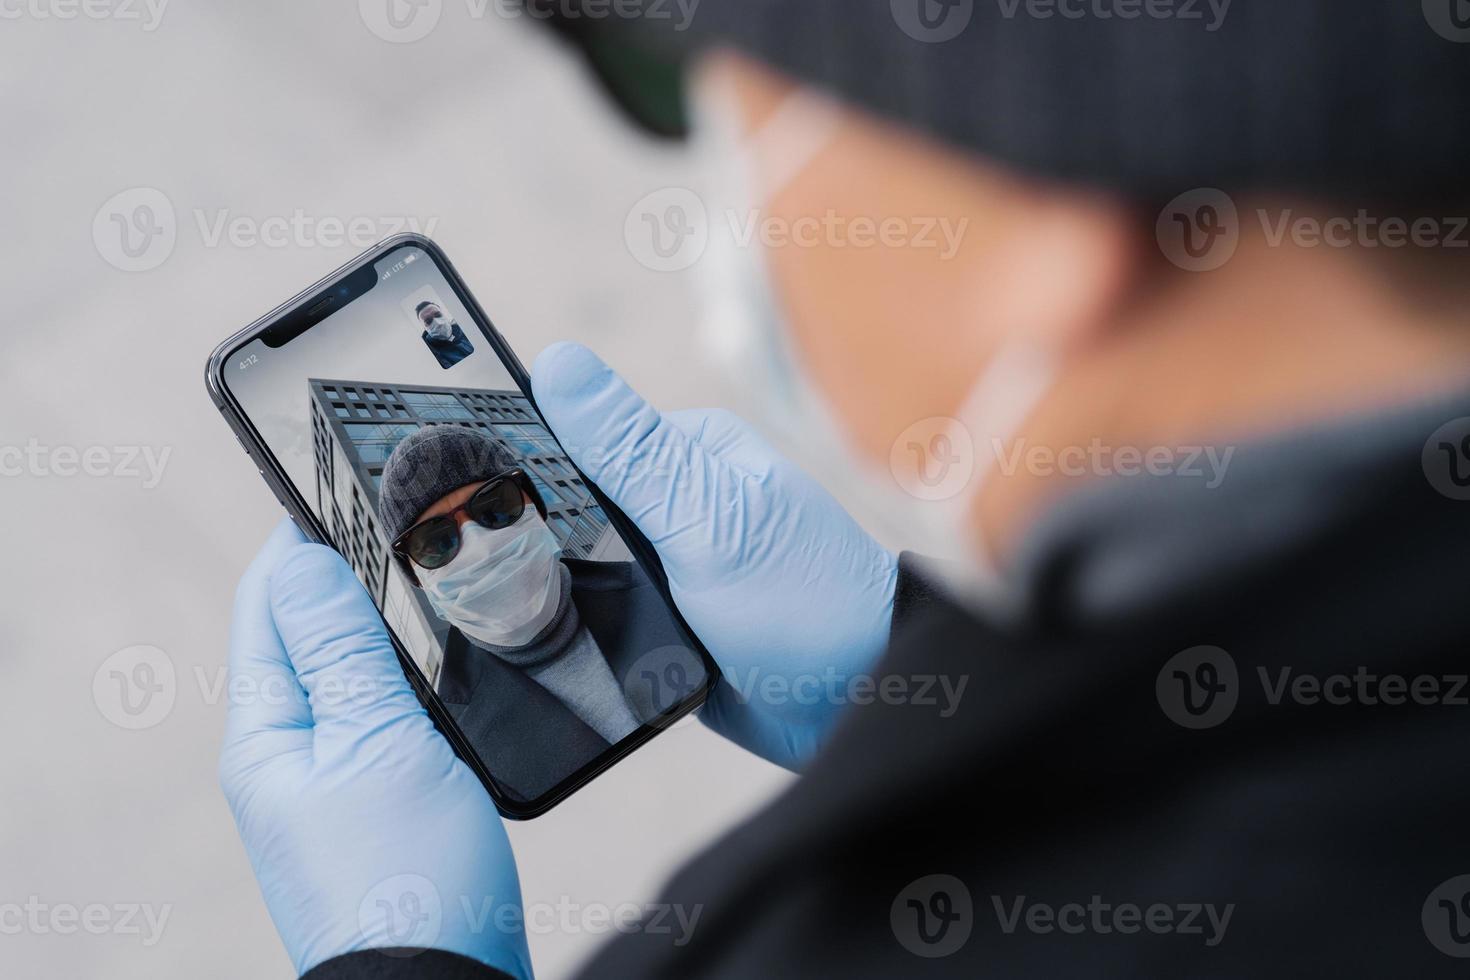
(469, 527)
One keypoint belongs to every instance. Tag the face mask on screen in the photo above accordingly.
(504, 586)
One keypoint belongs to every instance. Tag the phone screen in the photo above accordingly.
(483, 547)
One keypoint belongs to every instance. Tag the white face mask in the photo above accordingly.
(745, 330)
(440, 328)
(504, 586)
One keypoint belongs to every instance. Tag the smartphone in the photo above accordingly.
(531, 617)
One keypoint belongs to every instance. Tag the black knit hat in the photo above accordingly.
(432, 462)
(1355, 99)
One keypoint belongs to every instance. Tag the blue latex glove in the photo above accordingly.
(791, 597)
(364, 829)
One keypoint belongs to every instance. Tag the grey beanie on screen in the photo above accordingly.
(432, 462)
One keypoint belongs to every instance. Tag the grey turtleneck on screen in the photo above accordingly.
(565, 659)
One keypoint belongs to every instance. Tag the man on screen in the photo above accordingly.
(442, 335)
(549, 660)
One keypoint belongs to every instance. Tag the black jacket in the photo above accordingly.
(450, 352)
(528, 739)
(1084, 832)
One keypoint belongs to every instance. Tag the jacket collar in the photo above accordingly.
(1131, 547)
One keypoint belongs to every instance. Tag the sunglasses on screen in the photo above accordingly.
(497, 504)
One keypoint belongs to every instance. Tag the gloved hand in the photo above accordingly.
(790, 596)
(364, 829)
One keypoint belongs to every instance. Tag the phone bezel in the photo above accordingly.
(300, 511)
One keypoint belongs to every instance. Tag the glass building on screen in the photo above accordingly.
(355, 426)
